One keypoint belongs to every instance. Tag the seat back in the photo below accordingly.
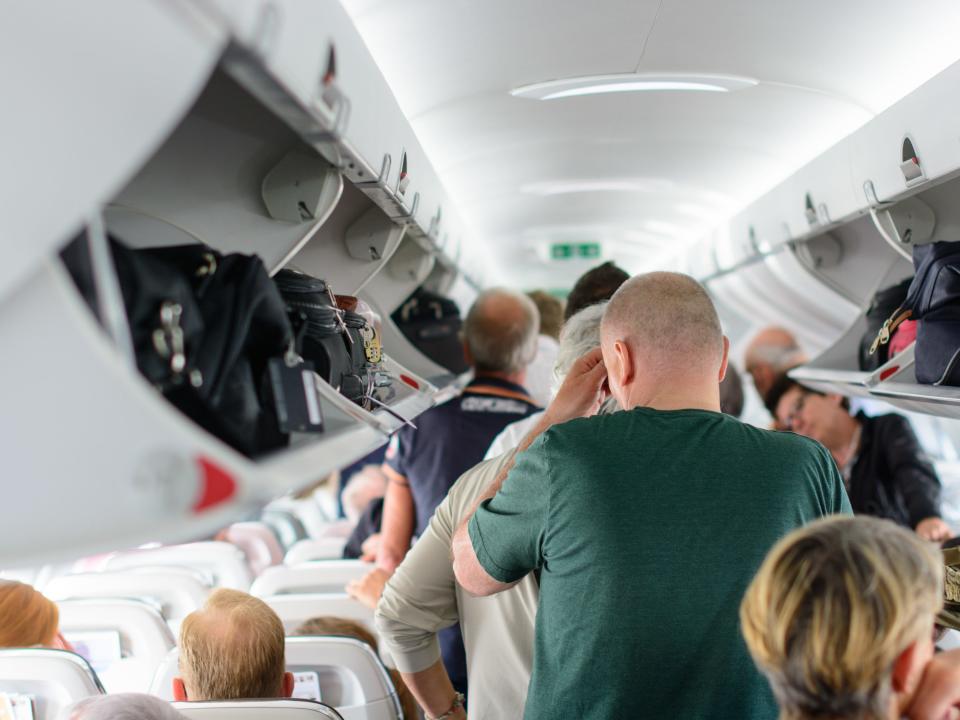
(322, 576)
(286, 525)
(348, 672)
(291, 709)
(103, 629)
(226, 563)
(315, 512)
(325, 548)
(174, 591)
(257, 542)
(296, 609)
(54, 679)
(351, 676)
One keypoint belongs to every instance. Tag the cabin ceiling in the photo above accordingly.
(642, 173)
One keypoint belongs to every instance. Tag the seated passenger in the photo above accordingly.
(423, 597)
(230, 649)
(646, 525)
(840, 619)
(28, 619)
(769, 355)
(540, 372)
(352, 629)
(885, 470)
(122, 706)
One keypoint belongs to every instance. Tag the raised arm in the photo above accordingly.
(399, 519)
(580, 395)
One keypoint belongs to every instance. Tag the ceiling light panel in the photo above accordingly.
(631, 82)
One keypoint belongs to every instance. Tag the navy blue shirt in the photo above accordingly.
(453, 437)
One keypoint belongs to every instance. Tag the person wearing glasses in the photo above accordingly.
(886, 472)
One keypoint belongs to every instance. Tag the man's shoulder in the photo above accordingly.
(784, 444)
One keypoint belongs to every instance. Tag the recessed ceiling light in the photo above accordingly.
(630, 82)
(567, 187)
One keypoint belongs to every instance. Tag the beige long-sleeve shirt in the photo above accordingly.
(423, 597)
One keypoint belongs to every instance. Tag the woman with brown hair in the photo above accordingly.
(28, 619)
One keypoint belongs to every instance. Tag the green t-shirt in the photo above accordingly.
(647, 527)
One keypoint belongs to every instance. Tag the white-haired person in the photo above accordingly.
(646, 525)
(122, 706)
(840, 618)
(422, 596)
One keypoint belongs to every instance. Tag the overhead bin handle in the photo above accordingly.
(910, 166)
(331, 96)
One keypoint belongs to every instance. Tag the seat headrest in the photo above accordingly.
(55, 679)
(289, 709)
(322, 576)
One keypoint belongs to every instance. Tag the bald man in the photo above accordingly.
(769, 355)
(646, 525)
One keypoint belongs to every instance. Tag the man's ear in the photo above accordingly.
(288, 684)
(179, 690)
(907, 670)
(726, 358)
(624, 371)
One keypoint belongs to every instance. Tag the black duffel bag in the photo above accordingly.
(934, 302)
(884, 304)
(319, 324)
(204, 327)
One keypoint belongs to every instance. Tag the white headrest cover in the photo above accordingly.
(55, 678)
(322, 576)
(258, 710)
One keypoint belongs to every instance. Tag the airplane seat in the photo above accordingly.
(296, 608)
(346, 672)
(351, 676)
(323, 576)
(290, 709)
(286, 525)
(174, 592)
(53, 679)
(326, 548)
(225, 562)
(315, 512)
(258, 543)
(123, 640)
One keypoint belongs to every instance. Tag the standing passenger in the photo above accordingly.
(500, 339)
(646, 525)
(769, 355)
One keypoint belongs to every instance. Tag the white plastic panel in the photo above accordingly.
(56, 679)
(324, 576)
(95, 91)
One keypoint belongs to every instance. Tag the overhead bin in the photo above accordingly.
(271, 131)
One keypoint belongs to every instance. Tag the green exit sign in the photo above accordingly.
(568, 251)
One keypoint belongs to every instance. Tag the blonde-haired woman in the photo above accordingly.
(840, 618)
(28, 619)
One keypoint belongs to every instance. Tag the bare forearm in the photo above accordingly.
(432, 689)
(396, 531)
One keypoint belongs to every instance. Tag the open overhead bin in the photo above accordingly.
(850, 219)
(269, 132)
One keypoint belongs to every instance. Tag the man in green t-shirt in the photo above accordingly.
(646, 525)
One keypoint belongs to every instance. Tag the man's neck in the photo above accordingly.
(839, 442)
(678, 396)
(515, 378)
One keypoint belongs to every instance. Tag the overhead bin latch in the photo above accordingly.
(910, 164)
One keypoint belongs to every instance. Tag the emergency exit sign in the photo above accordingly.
(570, 251)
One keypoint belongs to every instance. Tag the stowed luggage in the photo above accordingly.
(337, 334)
(204, 327)
(933, 300)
